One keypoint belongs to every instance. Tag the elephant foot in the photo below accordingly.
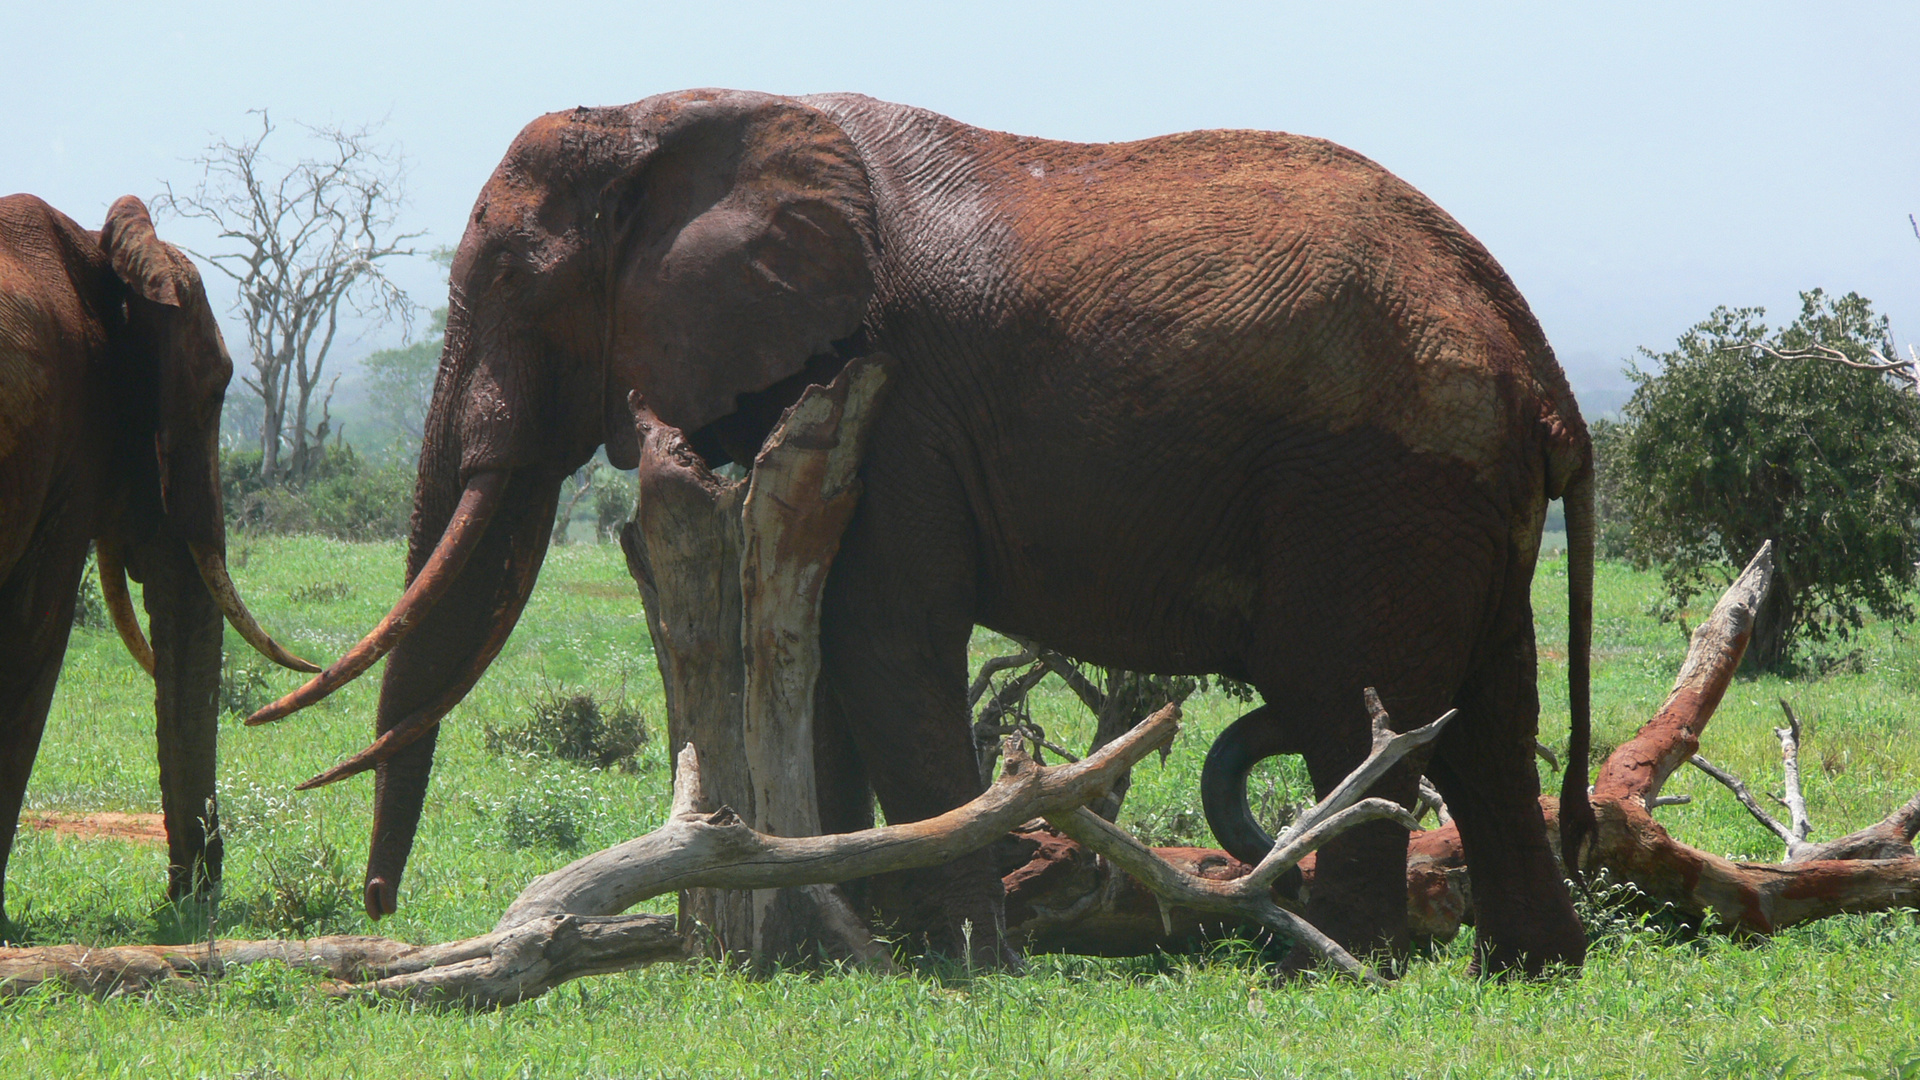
(1359, 899)
(956, 911)
(1538, 956)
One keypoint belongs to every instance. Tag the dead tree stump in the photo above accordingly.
(731, 573)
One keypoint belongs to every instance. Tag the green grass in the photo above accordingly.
(1836, 998)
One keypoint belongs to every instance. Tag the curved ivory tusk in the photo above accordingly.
(113, 592)
(422, 720)
(384, 747)
(213, 571)
(462, 535)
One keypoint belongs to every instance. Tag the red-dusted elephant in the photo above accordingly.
(1227, 401)
(112, 372)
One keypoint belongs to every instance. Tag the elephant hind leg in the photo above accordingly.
(1359, 893)
(1484, 767)
(1377, 568)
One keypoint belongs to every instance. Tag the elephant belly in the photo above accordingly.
(1157, 577)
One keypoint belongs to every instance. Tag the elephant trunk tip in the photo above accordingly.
(382, 898)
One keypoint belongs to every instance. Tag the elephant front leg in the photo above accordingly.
(912, 735)
(1359, 893)
(896, 618)
(36, 617)
(187, 629)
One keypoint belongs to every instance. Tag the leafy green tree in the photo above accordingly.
(1744, 436)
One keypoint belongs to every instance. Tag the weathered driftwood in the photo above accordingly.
(698, 848)
(560, 928)
(491, 970)
(1251, 896)
(731, 574)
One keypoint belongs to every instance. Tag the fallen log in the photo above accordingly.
(495, 969)
(564, 925)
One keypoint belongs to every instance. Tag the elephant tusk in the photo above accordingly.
(426, 718)
(469, 523)
(113, 592)
(396, 738)
(213, 571)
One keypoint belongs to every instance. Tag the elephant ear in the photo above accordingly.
(149, 266)
(745, 242)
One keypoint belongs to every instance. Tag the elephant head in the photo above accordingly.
(175, 370)
(696, 249)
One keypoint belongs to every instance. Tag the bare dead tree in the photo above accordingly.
(302, 241)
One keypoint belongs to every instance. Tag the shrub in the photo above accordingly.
(1728, 446)
(573, 727)
(243, 683)
(89, 610)
(343, 496)
(613, 494)
(320, 592)
(307, 890)
(546, 813)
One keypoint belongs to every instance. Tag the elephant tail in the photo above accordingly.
(1577, 821)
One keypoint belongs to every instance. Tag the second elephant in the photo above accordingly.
(112, 373)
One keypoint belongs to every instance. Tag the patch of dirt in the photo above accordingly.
(137, 828)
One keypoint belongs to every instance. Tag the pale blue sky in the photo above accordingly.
(1632, 165)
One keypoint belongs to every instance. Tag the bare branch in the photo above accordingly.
(994, 666)
(1430, 800)
(1903, 370)
(1739, 788)
(1796, 802)
(719, 850)
(1090, 695)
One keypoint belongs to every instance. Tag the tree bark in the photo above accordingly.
(731, 574)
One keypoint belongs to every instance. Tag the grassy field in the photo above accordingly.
(1839, 998)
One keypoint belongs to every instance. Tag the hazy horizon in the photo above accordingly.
(1631, 166)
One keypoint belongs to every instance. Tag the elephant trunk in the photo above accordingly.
(484, 582)
(1245, 743)
(186, 628)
